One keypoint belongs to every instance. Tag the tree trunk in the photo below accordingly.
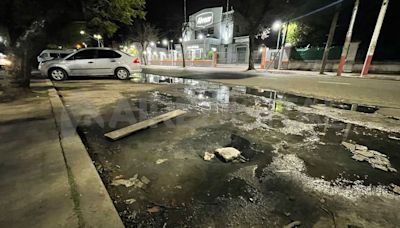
(144, 48)
(21, 73)
(183, 56)
(251, 45)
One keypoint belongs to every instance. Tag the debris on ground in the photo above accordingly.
(228, 153)
(393, 137)
(160, 161)
(130, 201)
(208, 156)
(131, 182)
(395, 188)
(376, 159)
(154, 209)
(292, 224)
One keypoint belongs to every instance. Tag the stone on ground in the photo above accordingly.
(208, 156)
(228, 153)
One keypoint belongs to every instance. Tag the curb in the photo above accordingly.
(93, 204)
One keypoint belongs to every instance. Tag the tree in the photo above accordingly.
(145, 33)
(258, 14)
(103, 16)
(297, 33)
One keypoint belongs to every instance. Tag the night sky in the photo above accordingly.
(168, 16)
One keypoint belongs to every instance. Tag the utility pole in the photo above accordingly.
(349, 34)
(183, 34)
(285, 29)
(184, 11)
(227, 5)
(374, 38)
(330, 39)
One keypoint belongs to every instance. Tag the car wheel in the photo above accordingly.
(58, 74)
(122, 73)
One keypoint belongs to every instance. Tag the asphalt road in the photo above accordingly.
(374, 92)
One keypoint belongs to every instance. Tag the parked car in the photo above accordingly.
(4, 61)
(92, 62)
(50, 54)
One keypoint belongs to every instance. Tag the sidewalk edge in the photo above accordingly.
(91, 198)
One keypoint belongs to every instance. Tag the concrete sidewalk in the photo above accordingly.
(46, 176)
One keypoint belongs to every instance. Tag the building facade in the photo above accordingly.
(211, 30)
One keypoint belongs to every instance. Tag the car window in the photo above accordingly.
(85, 54)
(107, 54)
(63, 55)
(54, 55)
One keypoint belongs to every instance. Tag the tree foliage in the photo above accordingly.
(259, 15)
(297, 33)
(105, 15)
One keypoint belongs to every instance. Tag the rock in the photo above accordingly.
(130, 201)
(208, 156)
(381, 167)
(154, 209)
(145, 180)
(293, 224)
(361, 147)
(359, 157)
(365, 153)
(160, 161)
(228, 153)
(131, 182)
(349, 146)
(395, 188)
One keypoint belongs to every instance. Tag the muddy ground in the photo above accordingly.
(295, 167)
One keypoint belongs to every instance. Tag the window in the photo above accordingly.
(107, 54)
(210, 31)
(85, 54)
(63, 55)
(54, 55)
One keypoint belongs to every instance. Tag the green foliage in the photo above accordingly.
(297, 32)
(105, 15)
(210, 55)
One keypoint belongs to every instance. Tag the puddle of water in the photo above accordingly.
(253, 121)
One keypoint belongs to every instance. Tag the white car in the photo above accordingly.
(92, 62)
(51, 54)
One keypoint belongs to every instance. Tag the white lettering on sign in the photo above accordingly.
(204, 19)
(193, 47)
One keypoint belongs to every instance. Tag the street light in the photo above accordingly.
(152, 44)
(180, 40)
(201, 36)
(277, 26)
(97, 37)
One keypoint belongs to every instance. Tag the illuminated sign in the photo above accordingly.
(193, 47)
(204, 19)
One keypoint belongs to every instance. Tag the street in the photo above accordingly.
(295, 167)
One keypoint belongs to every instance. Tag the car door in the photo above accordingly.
(82, 63)
(107, 61)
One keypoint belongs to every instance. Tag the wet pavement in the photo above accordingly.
(294, 166)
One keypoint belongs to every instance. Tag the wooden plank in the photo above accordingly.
(123, 132)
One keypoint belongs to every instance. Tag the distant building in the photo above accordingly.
(212, 29)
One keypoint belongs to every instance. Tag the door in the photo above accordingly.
(82, 63)
(107, 61)
(241, 54)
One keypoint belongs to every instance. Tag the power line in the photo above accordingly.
(317, 10)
